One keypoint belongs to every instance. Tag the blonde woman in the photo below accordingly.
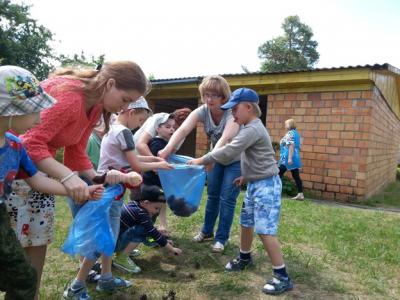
(290, 156)
(220, 127)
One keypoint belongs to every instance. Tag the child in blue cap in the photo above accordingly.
(262, 204)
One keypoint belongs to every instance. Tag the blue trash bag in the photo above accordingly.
(90, 233)
(183, 186)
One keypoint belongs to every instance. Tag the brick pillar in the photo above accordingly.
(202, 142)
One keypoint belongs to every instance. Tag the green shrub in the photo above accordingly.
(398, 173)
(288, 187)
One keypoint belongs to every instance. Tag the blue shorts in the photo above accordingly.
(136, 234)
(262, 205)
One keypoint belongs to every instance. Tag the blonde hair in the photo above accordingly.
(216, 84)
(127, 75)
(290, 123)
(256, 109)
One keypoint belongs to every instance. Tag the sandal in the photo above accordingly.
(277, 285)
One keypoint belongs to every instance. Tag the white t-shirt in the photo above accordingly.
(150, 127)
(113, 147)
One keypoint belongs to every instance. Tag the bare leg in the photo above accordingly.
(130, 247)
(163, 220)
(246, 238)
(84, 270)
(106, 262)
(273, 248)
(37, 257)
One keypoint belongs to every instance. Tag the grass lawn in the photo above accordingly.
(331, 253)
(389, 197)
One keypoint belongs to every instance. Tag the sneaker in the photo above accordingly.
(218, 247)
(135, 253)
(238, 264)
(277, 285)
(76, 294)
(299, 196)
(123, 262)
(112, 284)
(201, 237)
(92, 277)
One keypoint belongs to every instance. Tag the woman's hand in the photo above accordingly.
(77, 189)
(163, 153)
(164, 165)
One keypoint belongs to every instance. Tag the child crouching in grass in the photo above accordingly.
(262, 204)
(137, 224)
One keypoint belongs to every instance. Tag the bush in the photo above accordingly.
(398, 173)
(288, 187)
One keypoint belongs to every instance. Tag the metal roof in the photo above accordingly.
(198, 79)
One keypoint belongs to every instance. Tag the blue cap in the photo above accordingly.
(241, 95)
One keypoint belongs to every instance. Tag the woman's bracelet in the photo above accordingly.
(67, 177)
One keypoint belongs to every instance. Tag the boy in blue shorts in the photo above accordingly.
(21, 100)
(261, 206)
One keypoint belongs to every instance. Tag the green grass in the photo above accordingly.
(389, 197)
(331, 253)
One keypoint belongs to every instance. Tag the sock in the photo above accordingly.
(245, 255)
(106, 276)
(281, 271)
(76, 284)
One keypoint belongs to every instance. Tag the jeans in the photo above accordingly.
(136, 234)
(222, 196)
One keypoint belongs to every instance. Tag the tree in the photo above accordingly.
(292, 51)
(23, 41)
(80, 61)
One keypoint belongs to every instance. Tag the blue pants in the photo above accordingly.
(222, 196)
(136, 234)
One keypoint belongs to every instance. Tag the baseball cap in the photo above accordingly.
(241, 95)
(20, 92)
(152, 193)
(161, 118)
(140, 103)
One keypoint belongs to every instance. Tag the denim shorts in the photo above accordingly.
(136, 234)
(262, 205)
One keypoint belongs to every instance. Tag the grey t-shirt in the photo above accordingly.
(254, 145)
(213, 131)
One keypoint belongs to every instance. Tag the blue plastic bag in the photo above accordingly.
(183, 186)
(90, 233)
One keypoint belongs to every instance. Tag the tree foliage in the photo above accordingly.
(294, 50)
(80, 61)
(23, 41)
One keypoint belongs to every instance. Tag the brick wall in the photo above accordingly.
(202, 141)
(335, 130)
(384, 145)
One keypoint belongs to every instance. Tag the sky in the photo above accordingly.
(184, 38)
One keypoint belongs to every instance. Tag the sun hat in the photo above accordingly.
(140, 103)
(161, 118)
(20, 92)
(241, 95)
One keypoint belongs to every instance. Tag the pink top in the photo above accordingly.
(66, 124)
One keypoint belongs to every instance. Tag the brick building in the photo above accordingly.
(348, 117)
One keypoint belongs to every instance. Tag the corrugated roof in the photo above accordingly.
(384, 66)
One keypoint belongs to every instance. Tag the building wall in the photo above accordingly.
(384, 145)
(335, 134)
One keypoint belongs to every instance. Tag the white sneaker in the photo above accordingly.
(201, 237)
(299, 196)
(218, 247)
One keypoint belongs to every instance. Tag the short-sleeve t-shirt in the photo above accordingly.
(14, 164)
(115, 143)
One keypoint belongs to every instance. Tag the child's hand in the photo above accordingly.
(163, 154)
(164, 165)
(96, 191)
(196, 161)
(239, 181)
(114, 177)
(176, 251)
(157, 159)
(132, 178)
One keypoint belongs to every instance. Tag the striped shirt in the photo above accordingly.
(132, 215)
